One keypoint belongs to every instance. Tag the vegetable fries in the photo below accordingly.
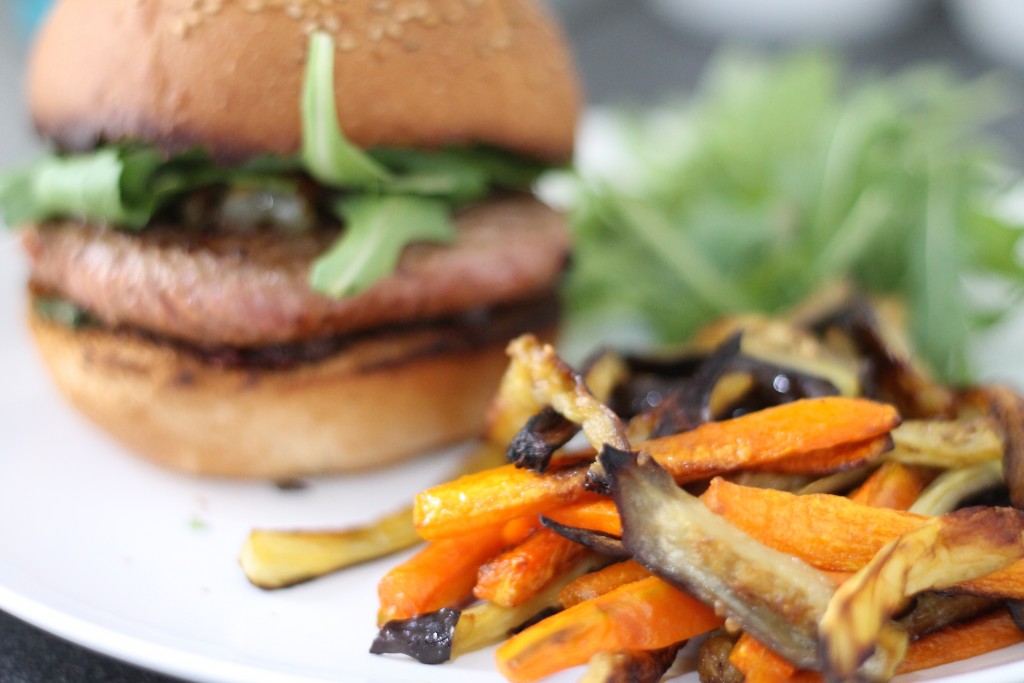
(794, 532)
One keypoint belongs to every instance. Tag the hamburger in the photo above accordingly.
(278, 239)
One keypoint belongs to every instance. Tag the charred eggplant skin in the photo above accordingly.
(775, 597)
(427, 638)
(606, 544)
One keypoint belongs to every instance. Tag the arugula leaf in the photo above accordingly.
(327, 154)
(377, 229)
(780, 176)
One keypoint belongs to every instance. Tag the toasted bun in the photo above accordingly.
(226, 75)
(376, 403)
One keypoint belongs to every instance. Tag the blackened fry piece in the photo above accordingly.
(1016, 608)
(540, 437)
(690, 404)
(606, 544)
(890, 374)
(427, 638)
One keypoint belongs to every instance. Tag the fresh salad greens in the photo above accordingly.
(780, 177)
(387, 198)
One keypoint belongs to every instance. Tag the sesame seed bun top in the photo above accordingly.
(226, 75)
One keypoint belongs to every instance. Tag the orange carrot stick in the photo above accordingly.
(763, 438)
(490, 497)
(832, 532)
(987, 633)
(442, 574)
(598, 515)
(831, 459)
(893, 485)
(771, 435)
(519, 573)
(759, 663)
(602, 581)
(643, 615)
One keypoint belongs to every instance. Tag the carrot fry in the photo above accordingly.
(832, 532)
(516, 575)
(598, 583)
(828, 460)
(781, 434)
(759, 663)
(483, 499)
(643, 615)
(893, 485)
(442, 574)
(597, 515)
(987, 633)
(770, 436)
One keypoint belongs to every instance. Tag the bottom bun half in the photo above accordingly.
(379, 400)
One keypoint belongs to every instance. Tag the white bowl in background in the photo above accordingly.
(793, 21)
(994, 28)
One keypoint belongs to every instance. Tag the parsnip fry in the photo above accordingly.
(951, 488)
(630, 666)
(947, 443)
(276, 559)
(554, 383)
(279, 558)
(957, 547)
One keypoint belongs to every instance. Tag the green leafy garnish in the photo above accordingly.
(327, 154)
(121, 185)
(377, 229)
(780, 177)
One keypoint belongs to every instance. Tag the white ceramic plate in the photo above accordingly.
(139, 563)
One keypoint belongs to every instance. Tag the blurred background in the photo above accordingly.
(650, 50)
(640, 52)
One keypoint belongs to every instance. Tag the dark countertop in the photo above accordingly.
(625, 54)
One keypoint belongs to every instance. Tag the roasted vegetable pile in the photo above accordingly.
(796, 495)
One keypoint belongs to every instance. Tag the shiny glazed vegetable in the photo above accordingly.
(748, 493)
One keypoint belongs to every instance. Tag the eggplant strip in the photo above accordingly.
(776, 597)
(943, 551)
